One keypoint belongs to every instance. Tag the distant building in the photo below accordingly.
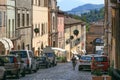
(96, 31)
(60, 29)
(112, 28)
(53, 33)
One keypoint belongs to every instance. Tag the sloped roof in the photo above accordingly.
(69, 20)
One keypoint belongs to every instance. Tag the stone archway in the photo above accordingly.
(97, 42)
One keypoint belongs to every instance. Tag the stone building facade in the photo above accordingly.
(113, 12)
(40, 22)
(60, 28)
(53, 33)
(23, 24)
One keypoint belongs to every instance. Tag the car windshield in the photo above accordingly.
(7, 59)
(100, 59)
(2, 61)
(88, 58)
(49, 54)
(22, 54)
(42, 58)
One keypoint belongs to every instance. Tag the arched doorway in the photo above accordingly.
(98, 43)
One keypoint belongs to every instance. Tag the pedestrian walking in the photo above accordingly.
(74, 62)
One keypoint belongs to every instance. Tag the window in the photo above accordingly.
(13, 28)
(18, 20)
(13, 24)
(23, 19)
(53, 43)
(38, 2)
(53, 22)
(39, 28)
(45, 3)
(27, 19)
(46, 28)
(0, 19)
(9, 28)
(35, 27)
(42, 26)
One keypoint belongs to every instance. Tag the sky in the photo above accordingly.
(66, 5)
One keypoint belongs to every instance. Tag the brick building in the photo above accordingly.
(96, 31)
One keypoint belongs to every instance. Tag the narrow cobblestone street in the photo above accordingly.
(63, 71)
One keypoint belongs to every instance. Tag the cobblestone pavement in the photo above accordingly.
(63, 71)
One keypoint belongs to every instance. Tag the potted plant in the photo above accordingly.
(97, 75)
(71, 37)
(36, 30)
(76, 32)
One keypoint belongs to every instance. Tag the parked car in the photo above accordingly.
(100, 62)
(13, 65)
(29, 59)
(37, 62)
(44, 61)
(2, 71)
(85, 62)
(49, 52)
(52, 58)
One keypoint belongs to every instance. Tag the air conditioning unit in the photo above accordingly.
(118, 1)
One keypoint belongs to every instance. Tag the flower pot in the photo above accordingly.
(106, 77)
(97, 78)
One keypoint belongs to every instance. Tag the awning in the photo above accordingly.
(59, 49)
(74, 52)
(7, 43)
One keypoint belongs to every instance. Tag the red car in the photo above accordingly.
(100, 62)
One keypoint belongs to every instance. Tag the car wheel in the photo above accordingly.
(35, 70)
(47, 65)
(18, 75)
(80, 68)
(23, 73)
(30, 71)
(56, 64)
